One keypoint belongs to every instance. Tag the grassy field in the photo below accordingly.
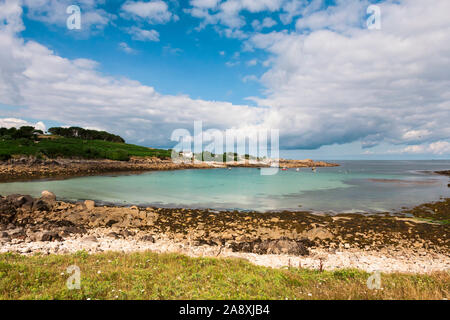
(169, 276)
(70, 148)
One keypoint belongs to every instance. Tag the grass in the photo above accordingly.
(170, 276)
(77, 148)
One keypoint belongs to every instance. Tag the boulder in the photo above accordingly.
(49, 236)
(19, 201)
(90, 205)
(45, 203)
(48, 196)
(147, 238)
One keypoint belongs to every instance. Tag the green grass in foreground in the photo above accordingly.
(71, 147)
(169, 276)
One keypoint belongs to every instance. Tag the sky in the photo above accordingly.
(312, 69)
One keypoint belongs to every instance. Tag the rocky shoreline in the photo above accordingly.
(416, 240)
(18, 169)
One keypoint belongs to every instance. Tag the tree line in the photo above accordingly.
(25, 132)
(85, 134)
(31, 133)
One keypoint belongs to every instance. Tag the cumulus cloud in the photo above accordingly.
(154, 11)
(436, 148)
(54, 12)
(266, 23)
(126, 48)
(329, 81)
(142, 34)
(228, 13)
(17, 123)
(331, 86)
(73, 92)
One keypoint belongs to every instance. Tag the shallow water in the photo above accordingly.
(355, 186)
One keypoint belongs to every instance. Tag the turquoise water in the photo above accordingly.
(348, 188)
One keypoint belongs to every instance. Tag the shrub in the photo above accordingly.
(119, 155)
(4, 156)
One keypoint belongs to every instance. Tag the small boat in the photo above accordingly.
(284, 169)
(298, 169)
(314, 169)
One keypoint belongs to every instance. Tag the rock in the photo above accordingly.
(80, 206)
(18, 234)
(90, 239)
(48, 196)
(19, 201)
(126, 233)
(134, 208)
(90, 205)
(50, 236)
(41, 205)
(318, 233)
(7, 212)
(148, 238)
(4, 236)
(67, 231)
(274, 246)
(111, 222)
(113, 235)
(285, 246)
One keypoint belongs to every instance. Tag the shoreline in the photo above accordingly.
(30, 169)
(400, 243)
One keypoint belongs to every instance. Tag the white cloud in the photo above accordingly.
(341, 17)
(142, 34)
(266, 23)
(391, 85)
(17, 123)
(73, 92)
(228, 13)
(126, 48)
(324, 87)
(154, 11)
(436, 148)
(54, 12)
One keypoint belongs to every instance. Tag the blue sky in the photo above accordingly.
(312, 69)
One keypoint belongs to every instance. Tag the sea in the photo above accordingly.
(353, 187)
